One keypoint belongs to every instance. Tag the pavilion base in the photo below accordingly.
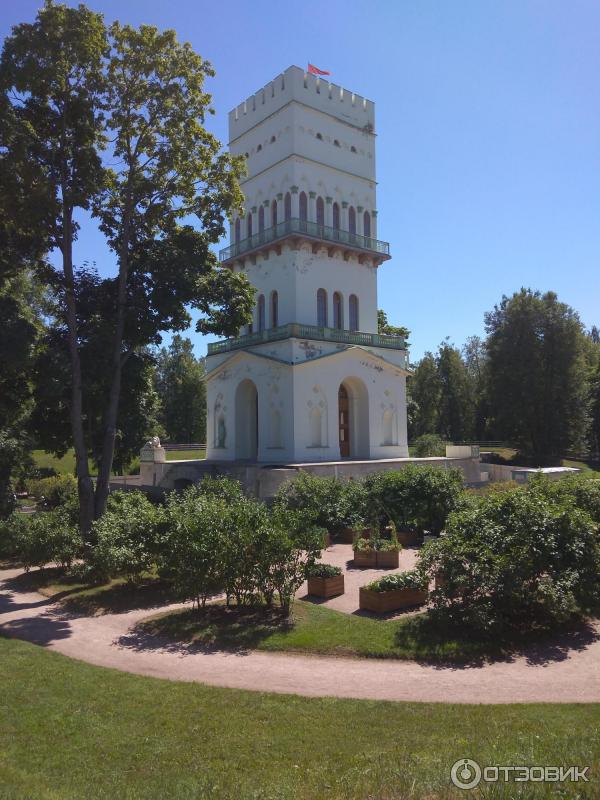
(264, 480)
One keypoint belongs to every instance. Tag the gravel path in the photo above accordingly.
(569, 671)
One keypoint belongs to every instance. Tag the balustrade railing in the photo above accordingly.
(311, 229)
(298, 331)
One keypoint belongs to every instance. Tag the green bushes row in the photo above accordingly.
(208, 540)
(39, 539)
(518, 559)
(415, 498)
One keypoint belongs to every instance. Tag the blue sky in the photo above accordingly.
(488, 122)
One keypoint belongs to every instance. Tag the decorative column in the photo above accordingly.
(295, 202)
(344, 220)
(312, 212)
(329, 212)
(359, 220)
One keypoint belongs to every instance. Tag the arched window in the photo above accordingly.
(274, 309)
(303, 206)
(320, 136)
(274, 213)
(322, 308)
(261, 312)
(353, 308)
(261, 219)
(336, 216)
(249, 225)
(367, 225)
(288, 206)
(352, 220)
(320, 211)
(352, 149)
(336, 142)
(338, 321)
(237, 230)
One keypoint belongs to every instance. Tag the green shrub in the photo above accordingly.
(226, 488)
(54, 491)
(127, 538)
(193, 554)
(399, 580)
(514, 559)
(414, 497)
(11, 530)
(582, 492)
(428, 445)
(322, 571)
(363, 545)
(330, 503)
(48, 536)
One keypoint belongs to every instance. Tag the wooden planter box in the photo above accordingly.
(326, 587)
(409, 538)
(350, 535)
(382, 602)
(387, 559)
(365, 558)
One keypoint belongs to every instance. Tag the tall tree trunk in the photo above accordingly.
(85, 485)
(112, 409)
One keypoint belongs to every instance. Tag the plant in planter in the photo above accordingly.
(325, 580)
(365, 554)
(394, 592)
(387, 550)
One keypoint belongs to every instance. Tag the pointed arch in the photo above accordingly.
(303, 206)
(322, 308)
(274, 308)
(261, 312)
(336, 216)
(367, 224)
(273, 213)
(320, 211)
(249, 225)
(261, 219)
(338, 311)
(237, 231)
(352, 220)
(287, 207)
(353, 312)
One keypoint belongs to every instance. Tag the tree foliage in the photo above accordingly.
(538, 389)
(111, 121)
(181, 386)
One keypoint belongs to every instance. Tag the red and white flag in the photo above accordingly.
(316, 71)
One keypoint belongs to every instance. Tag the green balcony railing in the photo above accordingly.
(298, 331)
(311, 229)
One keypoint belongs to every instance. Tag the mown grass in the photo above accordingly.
(70, 730)
(317, 630)
(66, 464)
(312, 628)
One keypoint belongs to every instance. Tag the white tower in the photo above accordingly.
(310, 379)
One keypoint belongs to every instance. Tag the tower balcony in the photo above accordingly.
(295, 330)
(301, 229)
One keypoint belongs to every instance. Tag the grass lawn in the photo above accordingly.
(67, 462)
(69, 730)
(318, 630)
(312, 629)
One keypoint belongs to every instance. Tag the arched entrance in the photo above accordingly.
(353, 419)
(246, 421)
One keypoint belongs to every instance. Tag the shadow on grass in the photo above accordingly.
(443, 646)
(79, 597)
(211, 629)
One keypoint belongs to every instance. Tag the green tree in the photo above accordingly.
(425, 390)
(182, 391)
(21, 329)
(50, 81)
(70, 90)
(474, 355)
(456, 410)
(384, 327)
(538, 381)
